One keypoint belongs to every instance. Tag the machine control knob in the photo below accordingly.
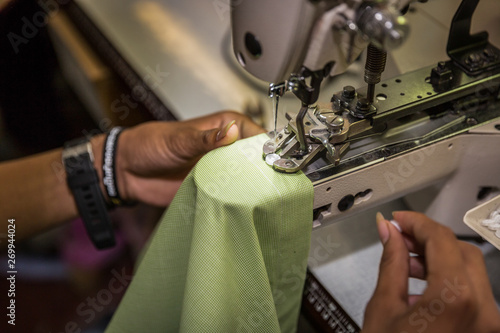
(382, 24)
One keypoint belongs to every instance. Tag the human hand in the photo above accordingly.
(458, 297)
(154, 158)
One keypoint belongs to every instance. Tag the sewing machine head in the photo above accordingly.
(359, 143)
(300, 41)
(280, 39)
(292, 42)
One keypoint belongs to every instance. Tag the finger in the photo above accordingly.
(192, 144)
(442, 252)
(248, 128)
(412, 245)
(390, 298)
(195, 146)
(227, 135)
(417, 268)
(413, 299)
(392, 286)
(211, 121)
(220, 119)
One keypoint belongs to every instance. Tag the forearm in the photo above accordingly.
(35, 193)
(151, 161)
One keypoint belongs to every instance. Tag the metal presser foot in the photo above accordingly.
(323, 129)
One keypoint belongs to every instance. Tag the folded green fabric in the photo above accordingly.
(229, 255)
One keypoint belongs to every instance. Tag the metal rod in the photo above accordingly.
(301, 136)
(370, 92)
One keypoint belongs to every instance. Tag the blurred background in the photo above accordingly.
(61, 278)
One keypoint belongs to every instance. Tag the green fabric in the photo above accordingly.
(230, 253)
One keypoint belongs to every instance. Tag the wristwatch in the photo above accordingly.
(83, 181)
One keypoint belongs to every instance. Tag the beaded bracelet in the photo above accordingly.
(109, 167)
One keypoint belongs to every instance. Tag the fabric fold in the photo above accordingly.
(229, 255)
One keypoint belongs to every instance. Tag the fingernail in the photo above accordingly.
(395, 212)
(383, 230)
(222, 133)
(396, 224)
(379, 217)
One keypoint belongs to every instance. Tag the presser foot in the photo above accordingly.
(324, 130)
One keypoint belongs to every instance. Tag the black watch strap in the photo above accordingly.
(83, 181)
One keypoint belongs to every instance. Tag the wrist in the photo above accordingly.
(110, 162)
(97, 143)
(121, 166)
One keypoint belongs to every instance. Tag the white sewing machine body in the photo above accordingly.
(431, 136)
(443, 179)
(441, 161)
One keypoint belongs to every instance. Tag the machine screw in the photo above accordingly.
(474, 60)
(489, 54)
(441, 77)
(334, 99)
(385, 152)
(473, 57)
(362, 105)
(471, 121)
(337, 123)
(363, 108)
(349, 92)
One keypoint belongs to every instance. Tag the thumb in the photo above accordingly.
(391, 293)
(394, 265)
(227, 134)
(205, 141)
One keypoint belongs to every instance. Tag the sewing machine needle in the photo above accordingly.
(276, 102)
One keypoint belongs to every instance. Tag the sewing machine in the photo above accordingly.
(431, 135)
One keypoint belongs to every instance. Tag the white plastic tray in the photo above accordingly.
(474, 217)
